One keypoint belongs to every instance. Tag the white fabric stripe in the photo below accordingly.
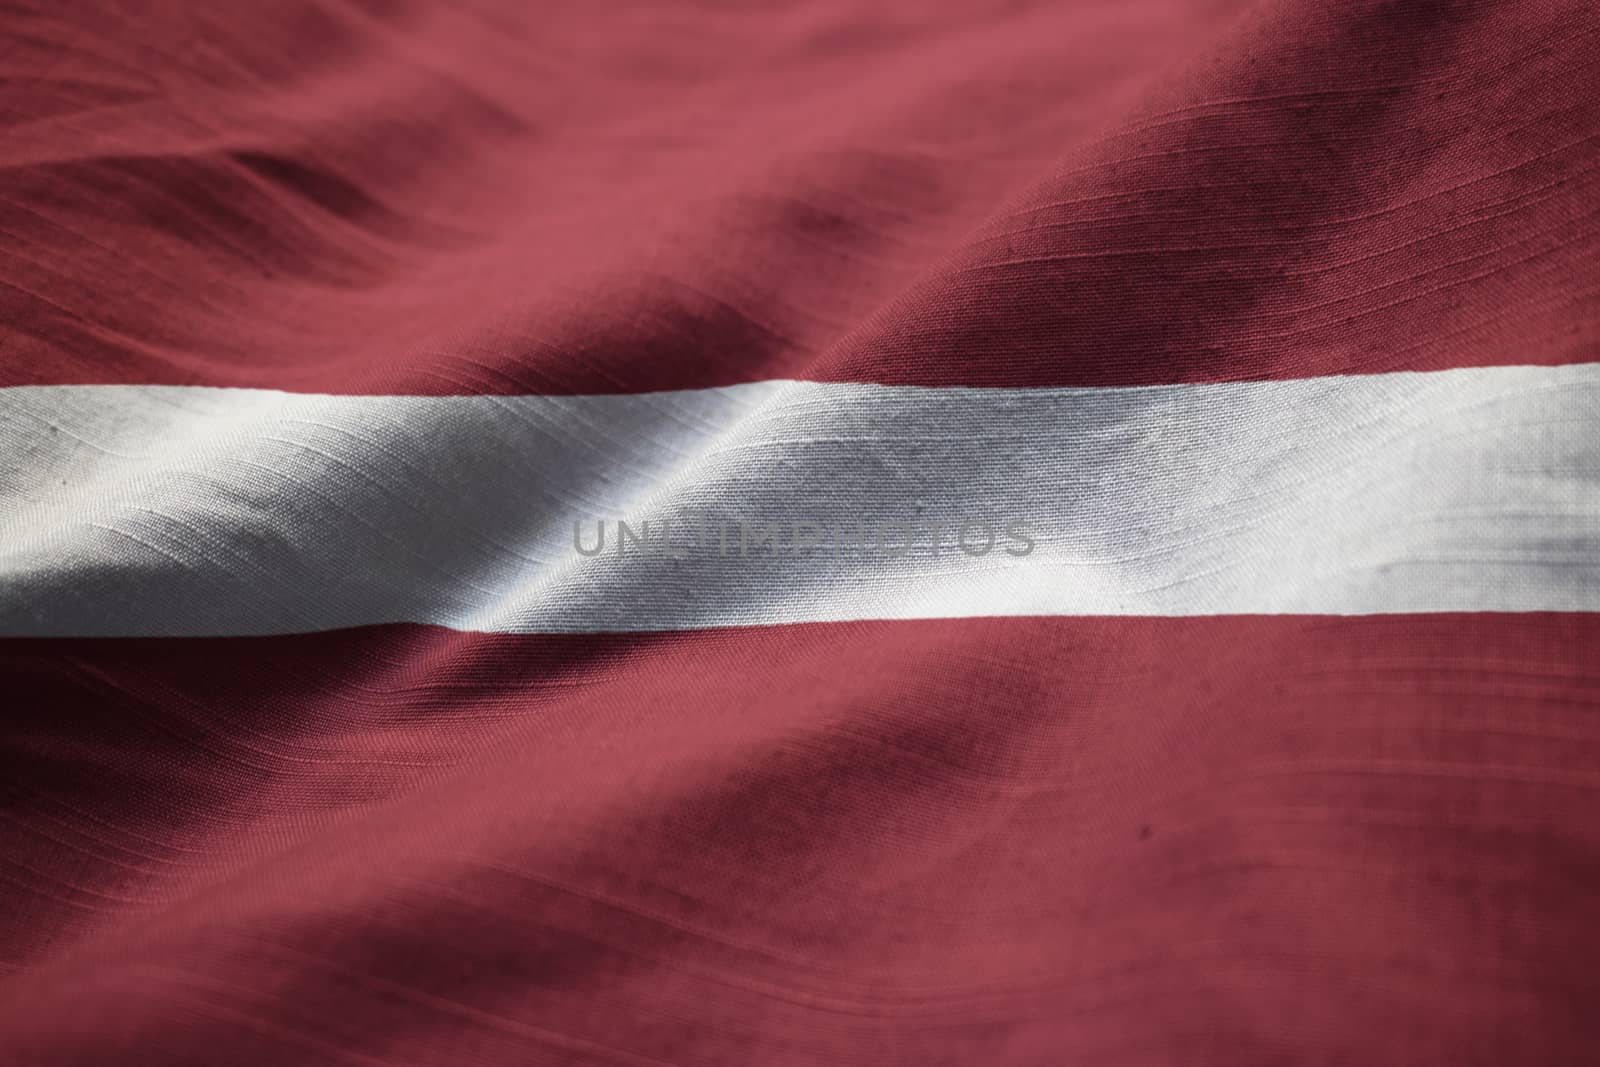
(149, 510)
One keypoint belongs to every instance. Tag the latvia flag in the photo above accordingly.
(803, 533)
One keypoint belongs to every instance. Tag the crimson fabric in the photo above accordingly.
(502, 197)
(1229, 840)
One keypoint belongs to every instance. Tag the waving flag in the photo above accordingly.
(1044, 533)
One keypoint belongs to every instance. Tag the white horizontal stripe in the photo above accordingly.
(148, 510)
